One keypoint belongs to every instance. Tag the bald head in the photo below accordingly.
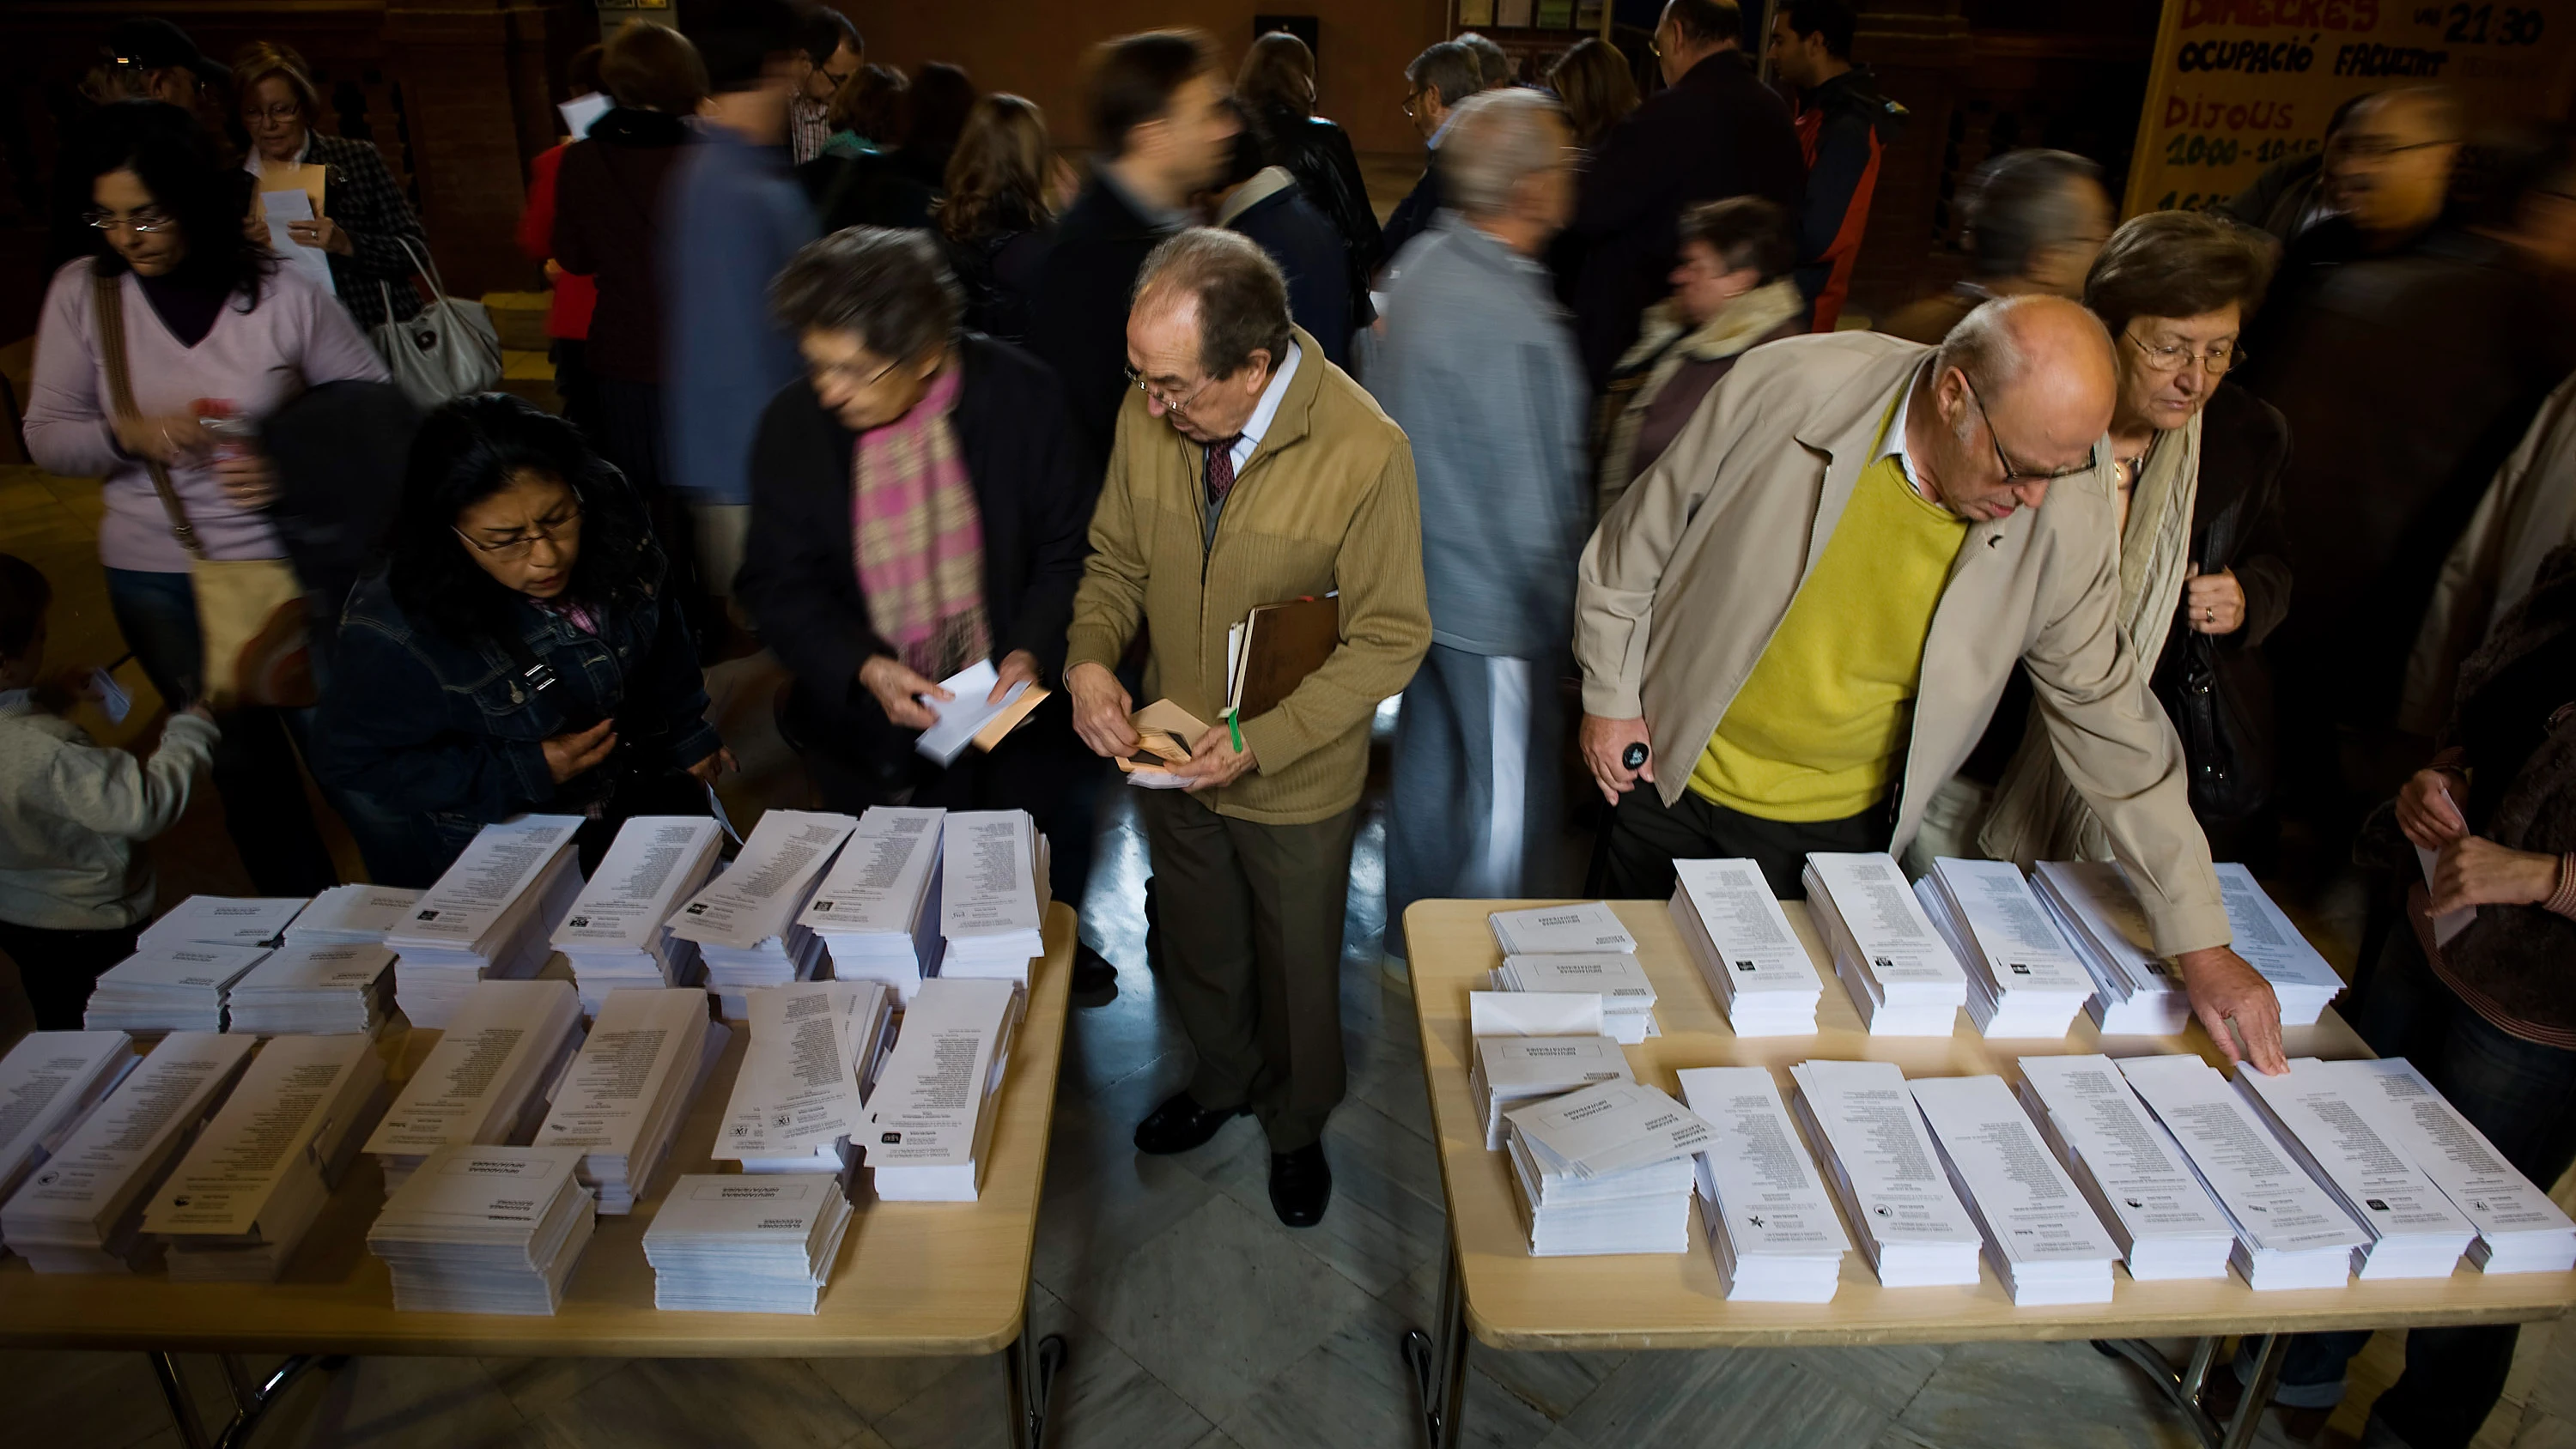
(2021, 392)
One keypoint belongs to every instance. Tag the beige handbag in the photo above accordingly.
(250, 612)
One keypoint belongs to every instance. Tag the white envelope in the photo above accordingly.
(1534, 1013)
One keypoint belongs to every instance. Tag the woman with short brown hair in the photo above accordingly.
(1276, 88)
(365, 228)
(1003, 187)
(1592, 79)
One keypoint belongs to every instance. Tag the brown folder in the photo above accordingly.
(1282, 644)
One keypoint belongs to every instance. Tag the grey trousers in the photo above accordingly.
(1475, 805)
(1252, 957)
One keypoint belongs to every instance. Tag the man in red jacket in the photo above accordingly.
(1844, 125)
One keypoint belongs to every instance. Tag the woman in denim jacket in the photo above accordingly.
(518, 651)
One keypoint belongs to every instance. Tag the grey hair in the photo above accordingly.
(1499, 138)
(1446, 68)
(892, 288)
(1983, 347)
(1242, 295)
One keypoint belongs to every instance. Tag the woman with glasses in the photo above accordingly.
(212, 335)
(2204, 563)
(519, 651)
(365, 223)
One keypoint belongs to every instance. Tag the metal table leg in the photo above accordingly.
(251, 1399)
(2183, 1388)
(1028, 1382)
(1438, 1361)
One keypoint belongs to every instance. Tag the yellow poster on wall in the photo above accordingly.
(2238, 85)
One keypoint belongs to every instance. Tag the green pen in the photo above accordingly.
(1234, 725)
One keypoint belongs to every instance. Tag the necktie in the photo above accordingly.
(1220, 469)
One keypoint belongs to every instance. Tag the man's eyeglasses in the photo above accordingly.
(554, 530)
(1177, 407)
(141, 223)
(2016, 475)
(838, 81)
(2220, 357)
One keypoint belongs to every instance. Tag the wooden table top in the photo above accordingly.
(1515, 1301)
(912, 1279)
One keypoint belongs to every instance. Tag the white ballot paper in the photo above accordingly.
(759, 898)
(82, 1211)
(242, 1198)
(2135, 991)
(993, 893)
(2129, 1167)
(2290, 1231)
(49, 1082)
(1509, 1071)
(1754, 963)
(1913, 1228)
(2041, 1236)
(485, 1230)
(317, 987)
(962, 718)
(1534, 1013)
(878, 909)
(475, 895)
(1627, 993)
(2023, 979)
(312, 263)
(629, 1086)
(2415, 1232)
(735, 1244)
(638, 885)
(485, 1081)
(1607, 1169)
(583, 111)
(1900, 974)
(2519, 1229)
(351, 915)
(2270, 942)
(1561, 930)
(796, 1098)
(1770, 1217)
(174, 987)
(221, 921)
(930, 1119)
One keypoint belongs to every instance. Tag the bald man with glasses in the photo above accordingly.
(1795, 626)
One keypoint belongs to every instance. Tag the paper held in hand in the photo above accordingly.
(969, 718)
(1165, 735)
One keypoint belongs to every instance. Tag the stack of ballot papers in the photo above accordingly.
(2138, 1181)
(1901, 976)
(1886, 1173)
(485, 1230)
(2135, 991)
(931, 1115)
(1770, 1219)
(2290, 1231)
(2519, 1229)
(352, 915)
(49, 1083)
(733, 1244)
(2023, 979)
(1755, 964)
(649, 1051)
(241, 1199)
(799, 1098)
(2041, 1235)
(1576, 930)
(221, 921)
(488, 917)
(878, 910)
(615, 934)
(2415, 1232)
(992, 894)
(489, 1079)
(82, 1211)
(168, 988)
(745, 920)
(1514, 1071)
(1627, 997)
(309, 989)
(1608, 1169)
(2271, 943)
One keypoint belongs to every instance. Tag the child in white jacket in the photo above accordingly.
(74, 889)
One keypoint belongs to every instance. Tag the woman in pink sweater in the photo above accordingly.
(211, 328)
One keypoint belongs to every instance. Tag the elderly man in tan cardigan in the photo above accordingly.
(1247, 470)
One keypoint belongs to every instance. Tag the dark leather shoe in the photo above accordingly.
(1301, 1183)
(1095, 980)
(1181, 1124)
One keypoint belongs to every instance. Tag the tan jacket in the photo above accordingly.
(1686, 580)
(1326, 502)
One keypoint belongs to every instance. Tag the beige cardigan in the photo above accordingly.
(1325, 503)
(1686, 580)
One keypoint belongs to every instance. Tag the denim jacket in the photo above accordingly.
(425, 726)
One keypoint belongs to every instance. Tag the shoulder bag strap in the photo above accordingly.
(109, 304)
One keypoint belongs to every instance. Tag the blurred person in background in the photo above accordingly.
(1844, 126)
(1436, 82)
(829, 54)
(1593, 82)
(209, 326)
(1005, 185)
(1276, 88)
(575, 294)
(940, 101)
(1731, 294)
(1478, 367)
(1494, 65)
(2295, 192)
(365, 223)
(1714, 131)
(1265, 203)
(857, 180)
(2032, 222)
(867, 112)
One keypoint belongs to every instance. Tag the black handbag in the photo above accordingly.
(2220, 700)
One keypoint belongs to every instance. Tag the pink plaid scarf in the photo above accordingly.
(919, 539)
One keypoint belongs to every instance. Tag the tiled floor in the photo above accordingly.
(1195, 1320)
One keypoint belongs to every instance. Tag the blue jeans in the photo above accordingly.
(255, 766)
(2523, 1097)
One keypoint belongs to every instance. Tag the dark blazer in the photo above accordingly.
(608, 226)
(1716, 132)
(1304, 244)
(1319, 155)
(998, 273)
(362, 197)
(1412, 216)
(869, 190)
(800, 574)
(1078, 315)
